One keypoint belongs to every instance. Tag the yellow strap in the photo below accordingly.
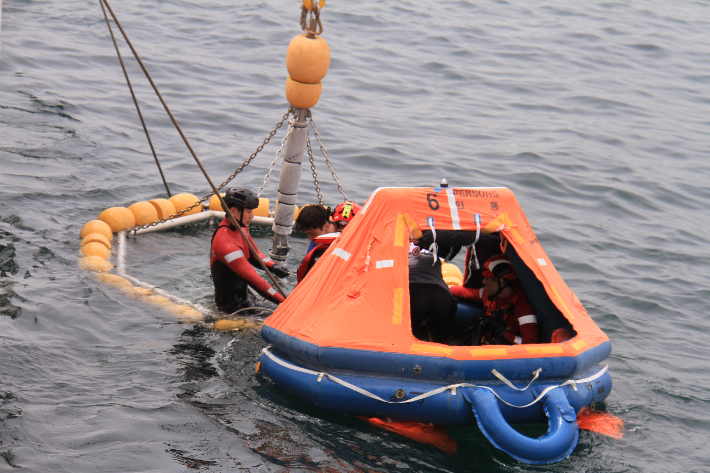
(416, 232)
(397, 316)
(564, 306)
(399, 234)
(430, 349)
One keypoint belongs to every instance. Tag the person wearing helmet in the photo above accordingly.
(232, 263)
(343, 214)
(509, 318)
(313, 220)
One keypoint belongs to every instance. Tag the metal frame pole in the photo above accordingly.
(289, 182)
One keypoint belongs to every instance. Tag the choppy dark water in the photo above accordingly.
(596, 114)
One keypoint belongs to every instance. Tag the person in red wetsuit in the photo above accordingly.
(342, 215)
(509, 318)
(231, 262)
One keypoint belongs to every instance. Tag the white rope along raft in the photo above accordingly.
(452, 387)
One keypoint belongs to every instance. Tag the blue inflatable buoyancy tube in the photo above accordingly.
(558, 443)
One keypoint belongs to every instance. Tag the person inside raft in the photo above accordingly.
(232, 264)
(509, 318)
(342, 215)
(432, 307)
(314, 220)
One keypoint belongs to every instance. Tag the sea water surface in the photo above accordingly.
(596, 114)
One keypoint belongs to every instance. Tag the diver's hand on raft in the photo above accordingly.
(279, 270)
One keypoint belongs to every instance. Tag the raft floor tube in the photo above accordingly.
(492, 405)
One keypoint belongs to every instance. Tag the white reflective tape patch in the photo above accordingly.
(454, 211)
(266, 259)
(527, 319)
(518, 340)
(234, 255)
(271, 291)
(541, 262)
(342, 253)
(385, 263)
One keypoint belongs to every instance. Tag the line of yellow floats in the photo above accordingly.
(97, 235)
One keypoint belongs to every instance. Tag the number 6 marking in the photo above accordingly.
(433, 203)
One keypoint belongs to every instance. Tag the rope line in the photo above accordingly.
(135, 101)
(451, 387)
(232, 176)
(229, 215)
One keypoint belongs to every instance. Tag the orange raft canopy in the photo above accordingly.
(357, 297)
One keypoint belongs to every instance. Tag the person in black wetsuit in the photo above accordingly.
(431, 305)
(232, 263)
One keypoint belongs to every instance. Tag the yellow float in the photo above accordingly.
(307, 59)
(302, 95)
(263, 209)
(113, 280)
(144, 213)
(163, 207)
(452, 274)
(95, 263)
(216, 204)
(183, 201)
(118, 218)
(309, 4)
(95, 249)
(96, 238)
(96, 226)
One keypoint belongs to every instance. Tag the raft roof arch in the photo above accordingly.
(356, 297)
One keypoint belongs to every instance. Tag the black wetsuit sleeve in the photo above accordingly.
(450, 238)
(449, 242)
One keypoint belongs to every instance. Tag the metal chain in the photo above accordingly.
(276, 158)
(327, 159)
(253, 155)
(239, 169)
(313, 167)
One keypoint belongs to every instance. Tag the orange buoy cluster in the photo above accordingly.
(307, 62)
(96, 236)
(261, 211)
(182, 311)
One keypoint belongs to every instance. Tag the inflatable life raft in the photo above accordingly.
(343, 341)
